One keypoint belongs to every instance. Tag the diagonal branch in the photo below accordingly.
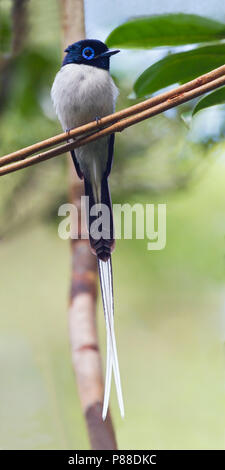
(116, 122)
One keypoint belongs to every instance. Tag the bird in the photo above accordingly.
(83, 91)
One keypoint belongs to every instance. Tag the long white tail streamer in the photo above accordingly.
(106, 281)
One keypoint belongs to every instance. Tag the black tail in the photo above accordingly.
(101, 239)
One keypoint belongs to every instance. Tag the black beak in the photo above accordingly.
(108, 53)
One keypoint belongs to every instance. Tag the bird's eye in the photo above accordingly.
(88, 53)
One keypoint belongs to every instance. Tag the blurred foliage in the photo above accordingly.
(27, 117)
(163, 145)
(29, 87)
(5, 31)
(169, 304)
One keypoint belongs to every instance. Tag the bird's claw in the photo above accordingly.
(98, 121)
(68, 132)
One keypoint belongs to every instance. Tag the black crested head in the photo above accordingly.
(89, 52)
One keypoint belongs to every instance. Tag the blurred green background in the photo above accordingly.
(169, 305)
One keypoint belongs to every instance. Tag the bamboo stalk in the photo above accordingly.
(86, 356)
(165, 101)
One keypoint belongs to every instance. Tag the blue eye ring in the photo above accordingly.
(91, 53)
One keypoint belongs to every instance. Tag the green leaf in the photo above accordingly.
(166, 30)
(213, 99)
(179, 68)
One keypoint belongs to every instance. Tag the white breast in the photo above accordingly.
(80, 93)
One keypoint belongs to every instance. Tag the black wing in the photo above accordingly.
(76, 164)
(110, 154)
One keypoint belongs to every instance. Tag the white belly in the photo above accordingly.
(80, 94)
